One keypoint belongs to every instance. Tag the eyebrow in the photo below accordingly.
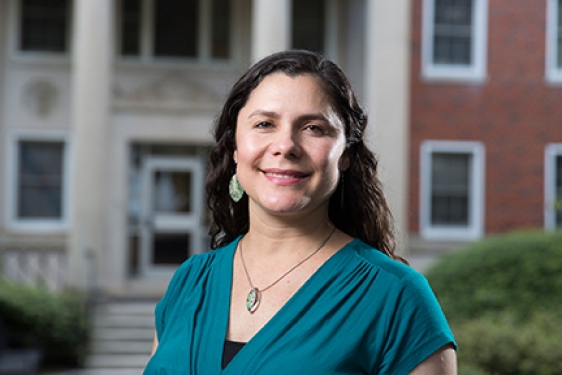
(305, 117)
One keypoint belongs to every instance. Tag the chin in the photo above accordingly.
(285, 206)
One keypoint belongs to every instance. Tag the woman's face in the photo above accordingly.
(289, 142)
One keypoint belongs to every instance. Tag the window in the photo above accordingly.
(554, 41)
(44, 25)
(452, 175)
(308, 25)
(553, 186)
(185, 29)
(39, 184)
(454, 39)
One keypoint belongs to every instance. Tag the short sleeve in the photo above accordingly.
(417, 327)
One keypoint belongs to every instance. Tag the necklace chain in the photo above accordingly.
(254, 297)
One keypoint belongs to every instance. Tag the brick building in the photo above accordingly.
(486, 118)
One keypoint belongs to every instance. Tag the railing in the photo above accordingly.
(47, 267)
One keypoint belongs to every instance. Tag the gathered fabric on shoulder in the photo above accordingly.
(359, 313)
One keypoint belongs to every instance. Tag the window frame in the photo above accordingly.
(552, 151)
(58, 225)
(474, 72)
(475, 229)
(15, 17)
(146, 35)
(553, 72)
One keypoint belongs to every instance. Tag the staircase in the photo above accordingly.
(122, 335)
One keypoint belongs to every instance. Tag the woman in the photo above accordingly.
(304, 277)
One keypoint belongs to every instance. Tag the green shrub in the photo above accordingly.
(504, 301)
(37, 317)
(520, 272)
(504, 345)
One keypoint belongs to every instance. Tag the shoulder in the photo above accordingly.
(382, 263)
(396, 280)
(413, 325)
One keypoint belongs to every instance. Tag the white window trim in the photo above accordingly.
(551, 152)
(146, 55)
(553, 73)
(475, 228)
(15, 224)
(14, 12)
(476, 72)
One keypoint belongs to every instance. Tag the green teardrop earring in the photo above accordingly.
(235, 189)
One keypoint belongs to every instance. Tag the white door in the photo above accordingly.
(172, 213)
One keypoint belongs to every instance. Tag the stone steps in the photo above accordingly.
(122, 335)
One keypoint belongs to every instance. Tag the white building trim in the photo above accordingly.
(271, 27)
(475, 228)
(474, 72)
(553, 71)
(552, 151)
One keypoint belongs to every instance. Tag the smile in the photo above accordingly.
(284, 176)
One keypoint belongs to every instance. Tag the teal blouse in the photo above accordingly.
(360, 313)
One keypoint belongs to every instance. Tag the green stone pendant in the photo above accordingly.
(253, 300)
(235, 189)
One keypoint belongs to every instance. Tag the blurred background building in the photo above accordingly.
(107, 106)
(106, 109)
(106, 112)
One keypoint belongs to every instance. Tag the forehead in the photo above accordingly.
(298, 91)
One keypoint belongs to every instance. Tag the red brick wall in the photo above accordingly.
(514, 113)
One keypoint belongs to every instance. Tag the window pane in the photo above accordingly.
(130, 27)
(44, 25)
(170, 249)
(450, 195)
(452, 39)
(308, 25)
(453, 12)
(176, 25)
(40, 177)
(172, 192)
(221, 29)
(558, 179)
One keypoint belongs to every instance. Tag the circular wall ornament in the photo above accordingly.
(40, 97)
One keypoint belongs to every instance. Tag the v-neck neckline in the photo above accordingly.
(226, 274)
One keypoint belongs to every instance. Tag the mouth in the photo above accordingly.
(284, 177)
(284, 173)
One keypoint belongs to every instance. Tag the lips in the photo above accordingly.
(278, 173)
(284, 176)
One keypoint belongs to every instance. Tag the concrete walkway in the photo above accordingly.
(95, 372)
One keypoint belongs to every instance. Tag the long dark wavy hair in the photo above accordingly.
(363, 212)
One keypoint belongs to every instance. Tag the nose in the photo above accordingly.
(286, 143)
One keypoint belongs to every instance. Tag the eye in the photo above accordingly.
(315, 128)
(263, 125)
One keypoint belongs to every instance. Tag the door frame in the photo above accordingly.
(152, 222)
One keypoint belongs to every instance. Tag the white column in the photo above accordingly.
(91, 74)
(387, 71)
(271, 27)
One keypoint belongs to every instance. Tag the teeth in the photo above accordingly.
(280, 175)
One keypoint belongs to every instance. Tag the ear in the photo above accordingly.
(235, 156)
(344, 162)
